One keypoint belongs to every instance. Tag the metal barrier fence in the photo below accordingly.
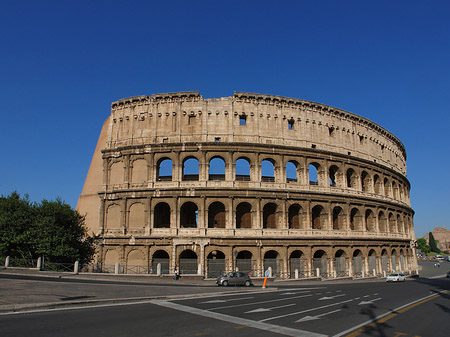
(56, 266)
(215, 268)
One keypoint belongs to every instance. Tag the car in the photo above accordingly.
(234, 279)
(396, 277)
(448, 274)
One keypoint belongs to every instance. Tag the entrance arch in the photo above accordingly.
(320, 262)
(271, 260)
(161, 257)
(297, 262)
(188, 262)
(244, 261)
(215, 264)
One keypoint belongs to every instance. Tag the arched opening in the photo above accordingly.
(164, 170)
(136, 263)
(352, 180)
(332, 173)
(291, 171)
(382, 222)
(190, 169)
(189, 215)
(384, 261)
(113, 216)
(139, 171)
(109, 261)
(294, 217)
(136, 217)
(297, 262)
(355, 219)
(316, 217)
(271, 260)
(161, 215)
(357, 264)
(188, 262)
(365, 182)
(217, 169)
(116, 173)
(400, 224)
(267, 171)
(244, 261)
(160, 257)
(242, 169)
(373, 270)
(338, 218)
(270, 215)
(216, 215)
(244, 215)
(370, 221)
(394, 190)
(386, 187)
(320, 262)
(402, 261)
(313, 170)
(216, 264)
(394, 266)
(392, 223)
(340, 265)
(377, 184)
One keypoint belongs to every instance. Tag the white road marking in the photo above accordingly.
(330, 297)
(268, 301)
(239, 321)
(366, 296)
(269, 309)
(311, 318)
(307, 310)
(222, 301)
(369, 302)
(294, 293)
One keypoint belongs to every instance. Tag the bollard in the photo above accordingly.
(76, 267)
(384, 273)
(374, 272)
(7, 262)
(334, 274)
(317, 272)
(296, 273)
(116, 268)
(39, 263)
(265, 281)
(270, 271)
(158, 269)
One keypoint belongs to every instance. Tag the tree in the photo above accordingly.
(421, 242)
(432, 243)
(51, 229)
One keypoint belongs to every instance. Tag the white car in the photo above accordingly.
(396, 277)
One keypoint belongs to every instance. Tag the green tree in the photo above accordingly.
(425, 249)
(432, 243)
(421, 242)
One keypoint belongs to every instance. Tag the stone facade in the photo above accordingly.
(248, 182)
(442, 236)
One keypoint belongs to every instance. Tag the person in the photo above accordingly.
(175, 274)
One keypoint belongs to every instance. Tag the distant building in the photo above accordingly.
(442, 236)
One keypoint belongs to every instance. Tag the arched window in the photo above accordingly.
(382, 222)
(294, 217)
(338, 218)
(332, 173)
(164, 170)
(365, 182)
(217, 169)
(377, 184)
(351, 179)
(161, 215)
(392, 223)
(370, 221)
(267, 171)
(270, 215)
(242, 169)
(291, 171)
(189, 215)
(386, 187)
(316, 217)
(313, 169)
(244, 215)
(190, 169)
(216, 215)
(355, 219)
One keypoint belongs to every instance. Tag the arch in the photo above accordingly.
(340, 265)
(136, 216)
(372, 259)
(216, 263)
(216, 215)
(113, 216)
(370, 221)
(188, 262)
(316, 217)
(394, 262)
(243, 169)
(217, 169)
(320, 262)
(297, 262)
(116, 173)
(355, 219)
(189, 215)
(382, 222)
(244, 261)
(313, 173)
(270, 215)
(357, 263)
(352, 179)
(377, 184)
(135, 262)
(271, 260)
(160, 257)
(291, 171)
(190, 169)
(333, 170)
(244, 215)
(164, 169)
(387, 190)
(392, 223)
(365, 182)
(394, 190)
(139, 171)
(338, 218)
(400, 227)
(161, 215)
(267, 170)
(111, 258)
(295, 221)
(384, 261)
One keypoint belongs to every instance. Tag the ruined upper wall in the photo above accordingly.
(188, 117)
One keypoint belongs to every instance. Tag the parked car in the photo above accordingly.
(396, 277)
(234, 279)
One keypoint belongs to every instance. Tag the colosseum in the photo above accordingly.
(249, 182)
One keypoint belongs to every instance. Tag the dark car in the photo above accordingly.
(448, 274)
(234, 279)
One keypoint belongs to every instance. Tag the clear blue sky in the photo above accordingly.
(63, 63)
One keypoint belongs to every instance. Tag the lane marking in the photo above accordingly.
(311, 318)
(361, 328)
(330, 297)
(238, 321)
(303, 311)
(370, 301)
(269, 309)
(222, 301)
(261, 302)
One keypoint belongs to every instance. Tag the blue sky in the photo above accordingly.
(63, 63)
